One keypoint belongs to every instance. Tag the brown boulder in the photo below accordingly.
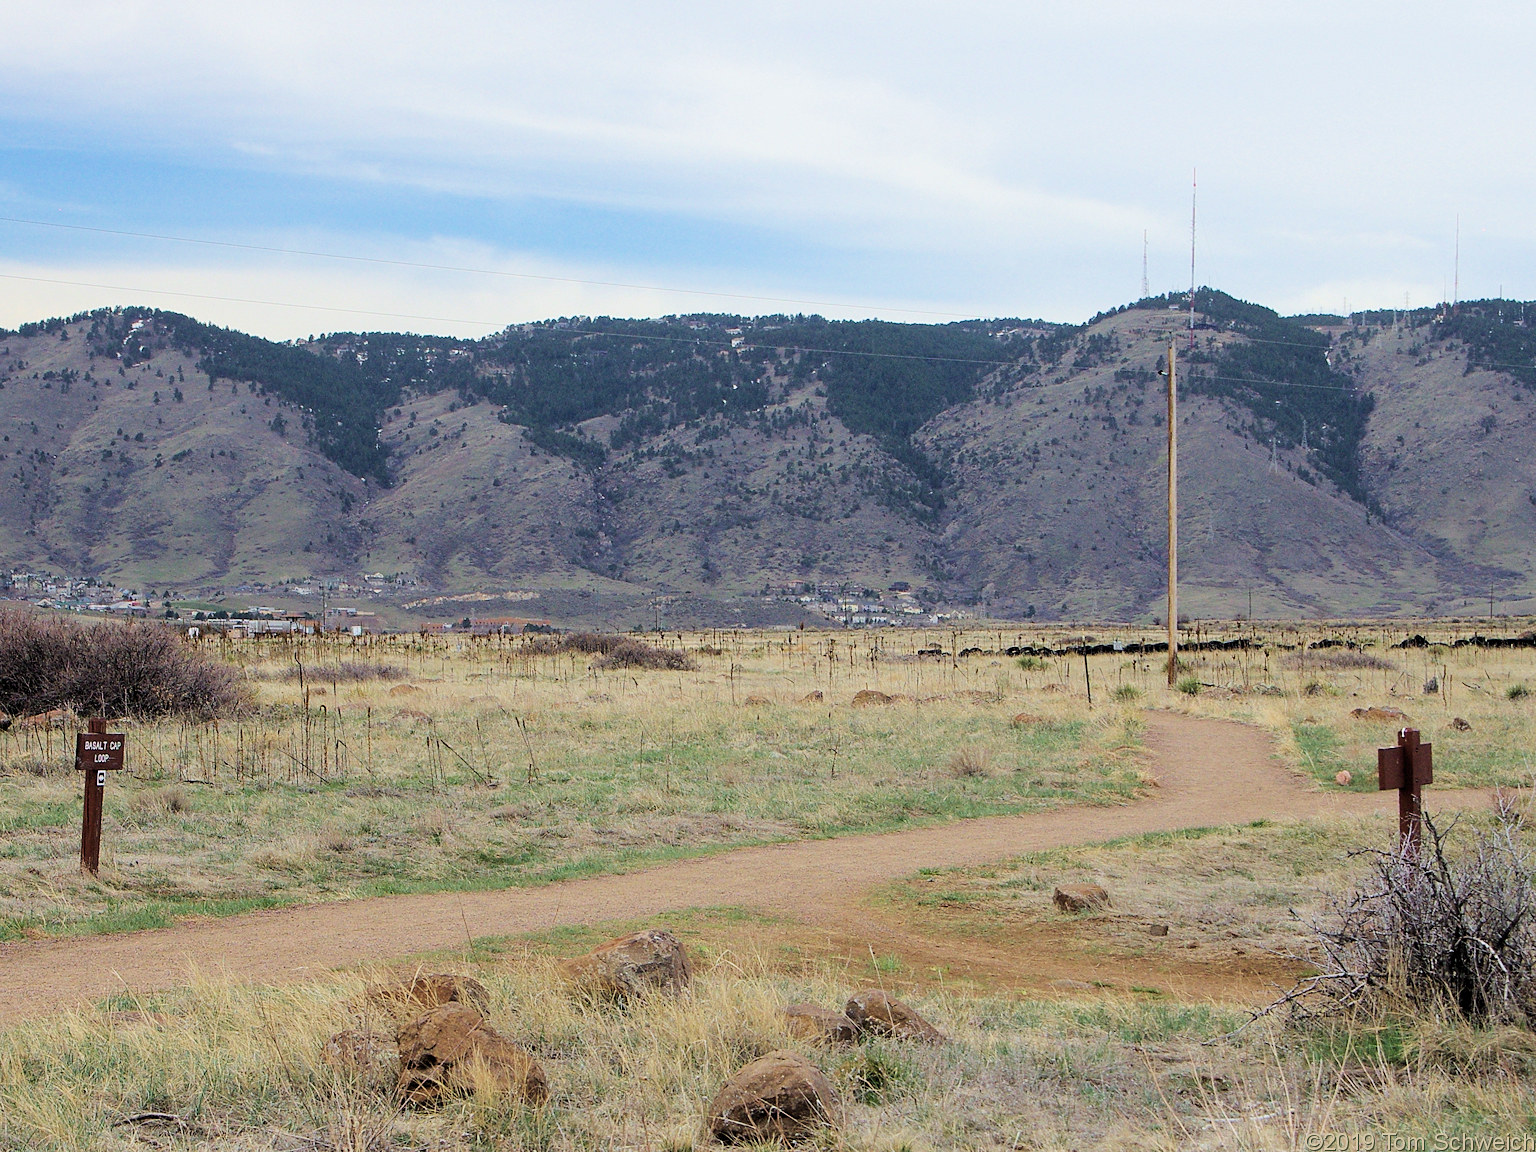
(1080, 898)
(782, 1096)
(1460, 725)
(1027, 720)
(815, 697)
(410, 997)
(1379, 715)
(405, 690)
(819, 1025)
(652, 960)
(876, 1012)
(756, 702)
(451, 1050)
(868, 696)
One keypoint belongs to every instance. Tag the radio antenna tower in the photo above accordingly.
(1194, 188)
(1456, 283)
(1146, 287)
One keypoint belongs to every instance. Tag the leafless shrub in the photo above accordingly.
(1440, 932)
(633, 654)
(969, 762)
(109, 670)
(612, 651)
(335, 840)
(1339, 659)
(170, 801)
(594, 643)
(343, 672)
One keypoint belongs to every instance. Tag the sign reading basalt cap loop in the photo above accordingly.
(97, 752)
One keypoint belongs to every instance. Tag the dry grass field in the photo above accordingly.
(470, 765)
(238, 1067)
(473, 764)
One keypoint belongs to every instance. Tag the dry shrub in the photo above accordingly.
(344, 672)
(1339, 659)
(594, 643)
(633, 654)
(612, 651)
(1440, 932)
(109, 670)
(170, 801)
(335, 840)
(969, 762)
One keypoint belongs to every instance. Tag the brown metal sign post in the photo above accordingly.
(1407, 767)
(97, 752)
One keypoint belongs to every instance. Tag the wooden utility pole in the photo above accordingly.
(1173, 517)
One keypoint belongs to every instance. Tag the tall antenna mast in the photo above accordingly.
(1456, 283)
(1173, 514)
(1146, 286)
(1194, 188)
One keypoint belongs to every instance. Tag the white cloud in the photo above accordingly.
(287, 297)
(1008, 139)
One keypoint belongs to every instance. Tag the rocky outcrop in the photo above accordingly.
(649, 961)
(819, 1025)
(409, 997)
(880, 1014)
(1378, 715)
(1073, 898)
(868, 697)
(782, 1096)
(451, 1050)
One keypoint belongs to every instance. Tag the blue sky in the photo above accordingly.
(915, 161)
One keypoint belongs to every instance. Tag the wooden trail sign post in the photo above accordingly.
(1407, 766)
(97, 752)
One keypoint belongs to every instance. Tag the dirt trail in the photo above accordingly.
(1209, 772)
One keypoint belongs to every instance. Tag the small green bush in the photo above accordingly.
(1517, 692)
(1189, 685)
(1127, 693)
(1032, 664)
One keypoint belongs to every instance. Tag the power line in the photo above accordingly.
(351, 258)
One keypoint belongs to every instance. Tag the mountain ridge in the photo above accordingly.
(1009, 465)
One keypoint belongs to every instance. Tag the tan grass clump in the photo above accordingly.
(972, 762)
